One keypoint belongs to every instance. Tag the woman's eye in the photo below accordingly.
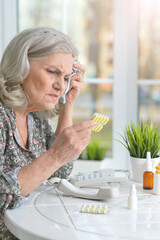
(57, 73)
(50, 71)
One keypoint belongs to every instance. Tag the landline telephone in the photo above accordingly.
(106, 180)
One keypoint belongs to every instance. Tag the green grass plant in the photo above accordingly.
(140, 139)
(94, 151)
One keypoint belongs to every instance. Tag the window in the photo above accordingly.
(119, 44)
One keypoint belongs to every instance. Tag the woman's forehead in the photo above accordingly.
(62, 62)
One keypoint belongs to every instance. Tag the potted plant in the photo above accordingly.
(138, 140)
(92, 158)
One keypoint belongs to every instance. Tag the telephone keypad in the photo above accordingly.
(99, 178)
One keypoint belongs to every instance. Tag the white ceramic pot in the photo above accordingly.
(139, 166)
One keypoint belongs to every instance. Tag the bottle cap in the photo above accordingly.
(149, 162)
(133, 190)
(157, 169)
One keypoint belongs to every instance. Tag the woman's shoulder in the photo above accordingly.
(3, 113)
(1, 105)
(3, 118)
(6, 111)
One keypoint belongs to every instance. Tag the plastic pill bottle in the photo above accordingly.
(157, 180)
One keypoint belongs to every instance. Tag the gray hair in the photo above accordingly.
(30, 44)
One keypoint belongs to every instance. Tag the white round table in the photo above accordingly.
(49, 214)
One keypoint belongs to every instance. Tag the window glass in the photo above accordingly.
(149, 39)
(149, 108)
(149, 60)
(90, 24)
(38, 13)
(93, 31)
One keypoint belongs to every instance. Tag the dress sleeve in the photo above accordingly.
(9, 186)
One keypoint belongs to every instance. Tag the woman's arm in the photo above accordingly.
(67, 146)
(35, 173)
(9, 187)
(65, 117)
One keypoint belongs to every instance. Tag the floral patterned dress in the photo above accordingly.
(13, 157)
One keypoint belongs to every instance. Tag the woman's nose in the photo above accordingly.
(59, 83)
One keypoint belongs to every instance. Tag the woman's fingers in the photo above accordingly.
(76, 84)
(80, 67)
(72, 141)
(79, 135)
(84, 125)
(78, 77)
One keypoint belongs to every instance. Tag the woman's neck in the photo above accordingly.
(22, 127)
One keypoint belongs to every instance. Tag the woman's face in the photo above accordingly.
(47, 80)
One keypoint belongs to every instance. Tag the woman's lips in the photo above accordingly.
(54, 97)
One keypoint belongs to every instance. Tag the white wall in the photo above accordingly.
(8, 22)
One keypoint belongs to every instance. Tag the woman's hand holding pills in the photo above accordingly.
(71, 142)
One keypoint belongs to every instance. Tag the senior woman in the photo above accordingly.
(34, 72)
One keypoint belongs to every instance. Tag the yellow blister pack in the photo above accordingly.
(101, 120)
(95, 209)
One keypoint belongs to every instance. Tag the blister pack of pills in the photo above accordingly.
(95, 209)
(101, 120)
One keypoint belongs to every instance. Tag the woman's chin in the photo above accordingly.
(50, 106)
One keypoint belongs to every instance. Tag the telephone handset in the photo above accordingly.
(69, 189)
(106, 180)
(102, 194)
(63, 97)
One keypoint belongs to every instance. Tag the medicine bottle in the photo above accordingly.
(132, 199)
(157, 181)
(148, 175)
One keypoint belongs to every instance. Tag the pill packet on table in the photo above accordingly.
(101, 120)
(94, 209)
